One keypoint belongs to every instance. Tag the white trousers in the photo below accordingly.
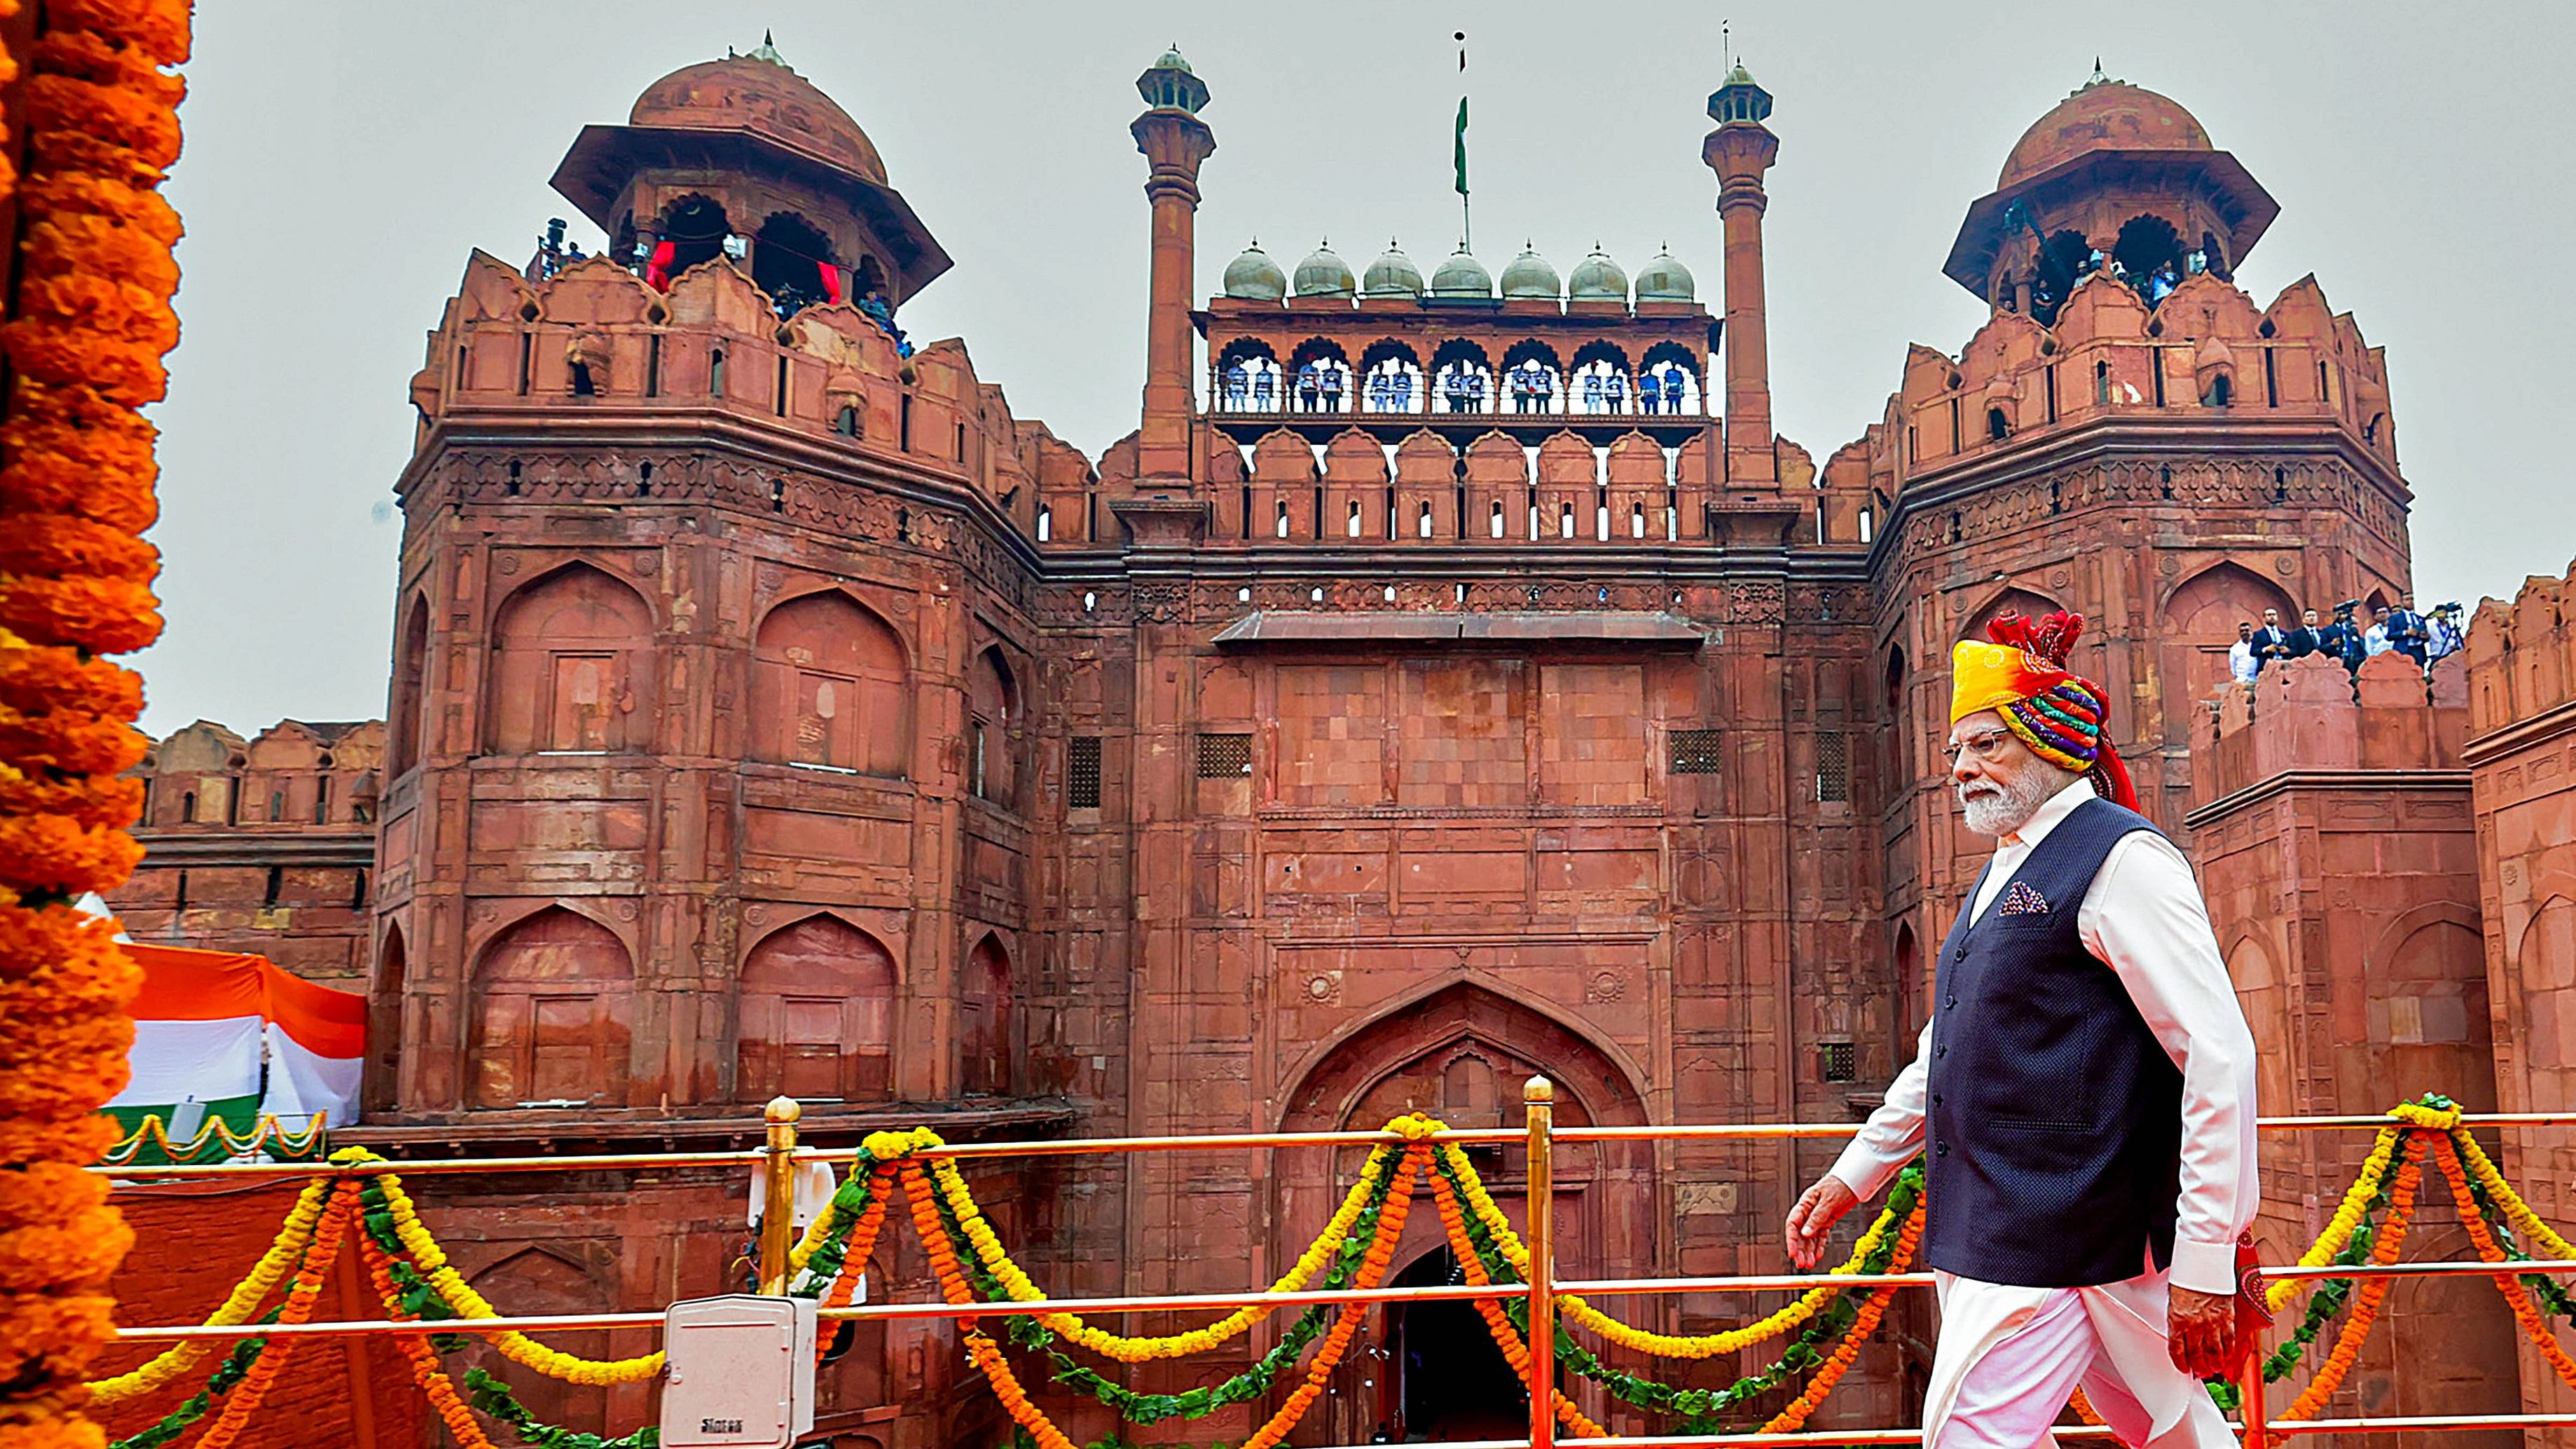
(2009, 1359)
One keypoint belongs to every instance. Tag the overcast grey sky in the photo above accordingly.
(343, 159)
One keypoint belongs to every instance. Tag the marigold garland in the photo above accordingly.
(2534, 1326)
(302, 1296)
(287, 1249)
(2347, 1216)
(2365, 1304)
(459, 1295)
(1018, 1286)
(426, 1370)
(84, 332)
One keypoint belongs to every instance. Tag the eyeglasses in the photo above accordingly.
(1984, 745)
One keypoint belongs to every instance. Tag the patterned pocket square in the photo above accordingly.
(2021, 900)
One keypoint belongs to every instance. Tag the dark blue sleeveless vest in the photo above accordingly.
(2054, 1125)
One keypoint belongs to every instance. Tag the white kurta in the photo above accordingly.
(2143, 917)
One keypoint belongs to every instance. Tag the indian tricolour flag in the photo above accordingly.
(232, 1032)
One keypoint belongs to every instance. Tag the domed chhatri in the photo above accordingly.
(1392, 275)
(759, 94)
(1529, 276)
(1170, 84)
(1323, 274)
(1462, 276)
(1597, 279)
(1738, 100)
(1666, 280)
(2102, 115)
(1254, 277)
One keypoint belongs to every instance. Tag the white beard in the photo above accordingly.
(1998, 809)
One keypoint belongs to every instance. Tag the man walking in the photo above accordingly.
(2084, 1092)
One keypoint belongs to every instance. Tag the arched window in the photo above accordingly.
(846, 421)
(1998, 427)
(1462, 378)
(571, 667)
(1046, 523)
(993, 719)
(1422, 523)
(1668, 381)
(692, 230)
(792, 261)
(380, 1081)
(817, 1015)
(1600, 383)
(1320, 374)
(551, 1014)
(1533, 378)
(1391, 379)
(409, 722)
(2150, 257)
(984, 1026)
(1498, 519)
(1247, 377)
(828, 688)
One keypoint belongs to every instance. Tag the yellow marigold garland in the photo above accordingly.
(520, 1349)
(302, 1297)
(2534, 1326)
(2366, 1301)
(988, 1248)
(84, 333)
(1662, 1345)
(245, 1299)
(2517, 1211)
(426, 1371)
(1793, 1418)
(1497, 1323)
(2347, 1217)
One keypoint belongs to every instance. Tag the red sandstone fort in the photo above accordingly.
(1448, 680)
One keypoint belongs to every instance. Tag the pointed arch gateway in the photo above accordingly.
(1461, 1052)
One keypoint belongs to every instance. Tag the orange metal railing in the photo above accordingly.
(782, 1154)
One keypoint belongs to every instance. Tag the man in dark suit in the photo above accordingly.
(2408, 634)
(2304, 640)
(2271, 642)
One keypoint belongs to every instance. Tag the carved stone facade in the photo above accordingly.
(773, 710)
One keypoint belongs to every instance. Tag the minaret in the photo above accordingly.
(1176, 141)
(1739, 151)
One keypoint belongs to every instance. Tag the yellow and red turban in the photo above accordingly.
(2023, 677)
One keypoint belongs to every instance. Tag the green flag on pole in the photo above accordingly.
(1461, 148)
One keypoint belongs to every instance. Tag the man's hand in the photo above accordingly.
(1818, 1209)
(2198, 1327)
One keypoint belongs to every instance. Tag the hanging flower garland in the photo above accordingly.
(84, 333)
(1019, 1287)
(460, 1296)
(253, 1290)
(2534, 1326)
(2365, 1306)
(1793, 1418)
(303, 1295)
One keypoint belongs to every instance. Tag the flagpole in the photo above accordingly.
(1466, 216)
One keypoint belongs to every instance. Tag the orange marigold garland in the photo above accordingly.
(84, 332)
(2534, 1325)
(1453, 1221)
(1793, 1418)
(426, 1370)
(303, 1295)
(2365, 1302)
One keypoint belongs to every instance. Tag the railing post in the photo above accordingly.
(2249, 1395)
(778, 1201)
(1540, 1098)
